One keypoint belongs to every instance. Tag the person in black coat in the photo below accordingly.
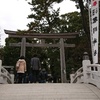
(35, 66)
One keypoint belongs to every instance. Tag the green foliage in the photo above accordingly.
(11, 54)
(71, 22)
(45, 18)
(1, 53)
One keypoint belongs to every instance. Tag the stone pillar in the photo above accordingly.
(12, 75)
(85, 62)
(23, 47)
(62, 59)
(0, 66)
(71, 75)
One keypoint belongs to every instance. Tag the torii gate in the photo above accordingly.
(61, 45)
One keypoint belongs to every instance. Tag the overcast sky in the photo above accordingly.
(13, 14)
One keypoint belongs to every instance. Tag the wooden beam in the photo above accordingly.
(23, 47)
(41, 45)
(44, 36)
(62, 60)
(14, 34)
(9, 32)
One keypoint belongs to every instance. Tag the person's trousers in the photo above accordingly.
(35, 75)
(20, 77)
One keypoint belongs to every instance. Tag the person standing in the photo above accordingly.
(35, 66)
(21, 69)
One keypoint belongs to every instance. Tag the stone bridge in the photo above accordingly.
(84, 85)
(49, 91)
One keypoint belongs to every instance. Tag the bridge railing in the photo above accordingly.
(78, 76)
(88, 73)
(5, 76)
(93, 74)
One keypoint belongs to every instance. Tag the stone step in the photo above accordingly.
(49, 91)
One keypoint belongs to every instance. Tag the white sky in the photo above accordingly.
(13, 14)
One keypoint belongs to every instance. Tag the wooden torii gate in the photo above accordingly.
(61, 45)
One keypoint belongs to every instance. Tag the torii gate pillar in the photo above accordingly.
(23, 47)
(62, 59)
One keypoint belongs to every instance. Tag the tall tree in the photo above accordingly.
(45, 18)
(85, 17)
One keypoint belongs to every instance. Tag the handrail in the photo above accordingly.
(3, 70)
(89, 73)
(77, 75)
(5, 75)
(79, 70)
(93, 74)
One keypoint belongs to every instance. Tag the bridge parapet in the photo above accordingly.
(88, 73)
(78, 76)
(5, 76)
(93, 74)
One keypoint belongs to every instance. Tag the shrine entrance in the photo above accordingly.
(61, 36)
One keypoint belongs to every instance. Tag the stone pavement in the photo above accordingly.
(49, 91)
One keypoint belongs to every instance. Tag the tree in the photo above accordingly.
(71, 22)
(85, 18)
(45, 18)
(1, 54)
(11, 55)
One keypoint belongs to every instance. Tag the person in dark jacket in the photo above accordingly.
(43, 76)
(35, 66)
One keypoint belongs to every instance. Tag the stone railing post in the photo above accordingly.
(0, 66)
(85, 63)
(12, 75)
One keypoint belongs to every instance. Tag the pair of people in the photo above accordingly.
(21, 68)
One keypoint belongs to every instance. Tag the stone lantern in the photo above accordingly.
(85, 56)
